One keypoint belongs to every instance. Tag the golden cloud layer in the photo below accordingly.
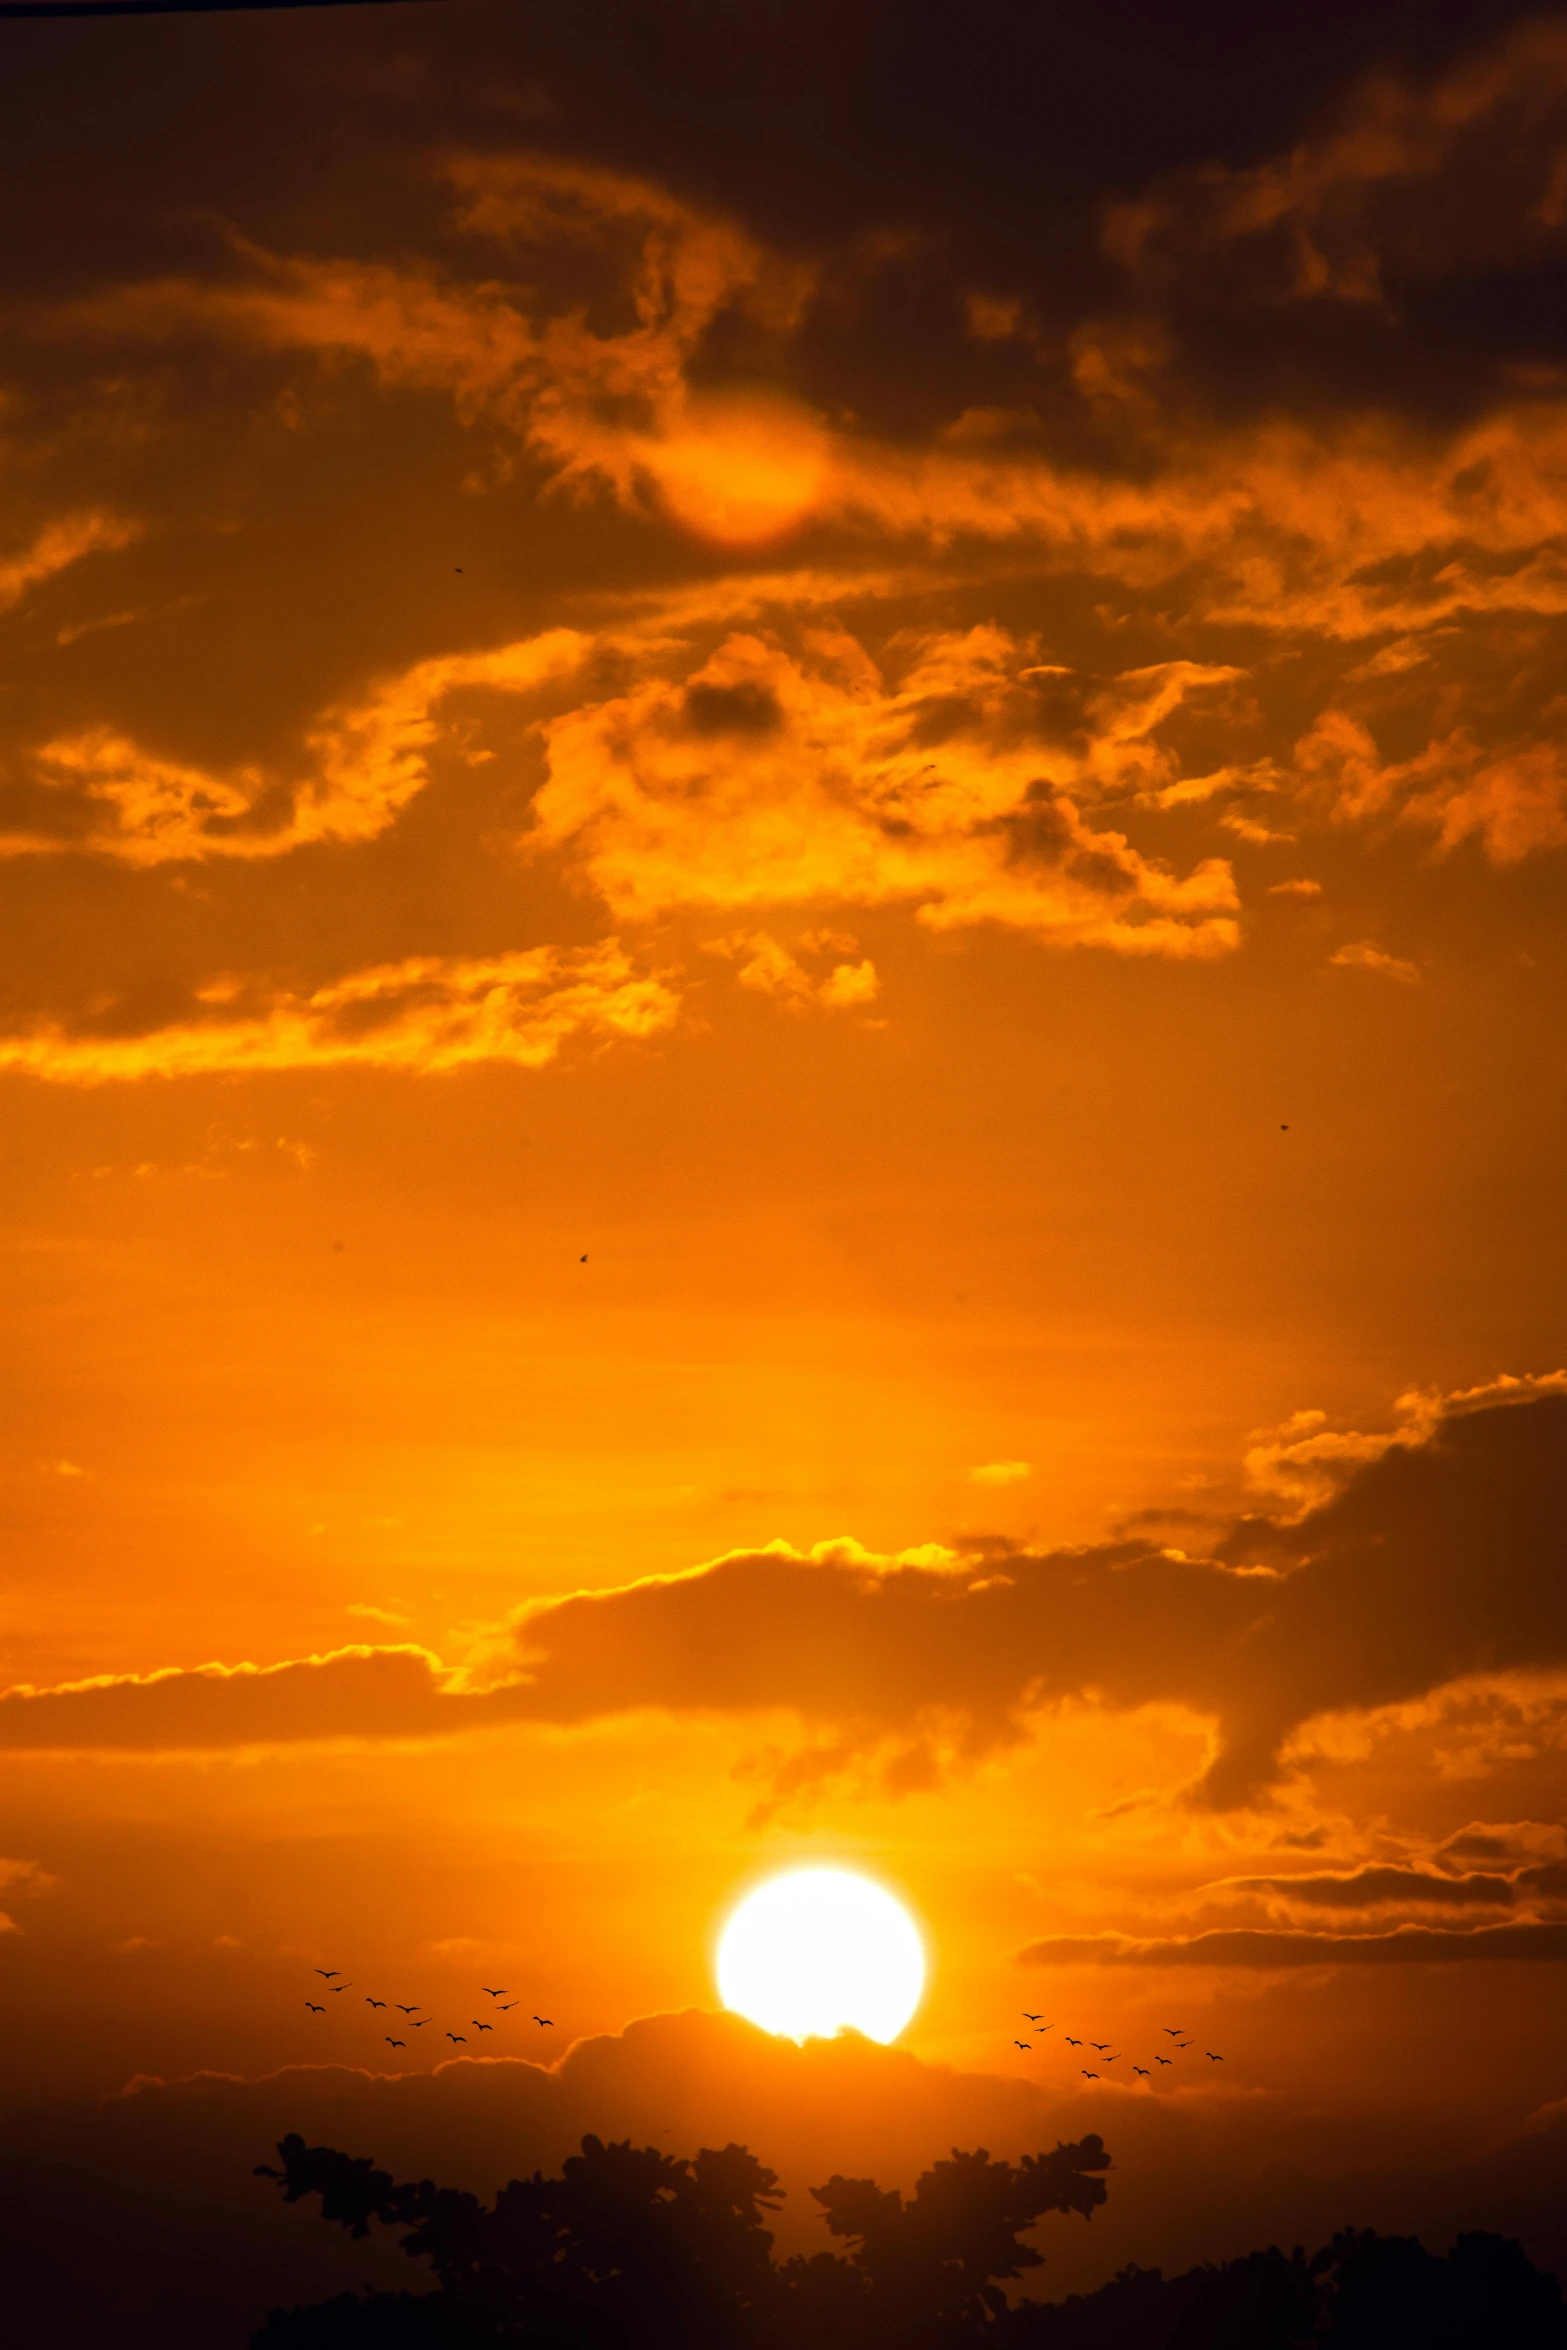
(426, 1015)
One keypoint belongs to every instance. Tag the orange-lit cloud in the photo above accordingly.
(426, 1014)
(769, 777)
(56, 547)
(367, 761)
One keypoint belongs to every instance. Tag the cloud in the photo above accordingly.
(57, 546)
(426, 1015)
(768, 968)
(367, 760)
(1431, 1563)
(1365, 955)
(1346, 525)
(1411, 181)
(1380, 1887)
(770, 777)
(356, 1692)
(1259, 1947)
(1513, 799)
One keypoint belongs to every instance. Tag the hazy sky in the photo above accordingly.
(782, 819)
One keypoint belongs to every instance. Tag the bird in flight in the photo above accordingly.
(423, 2020)
(1173, 2031)
(397, 2003)
(506, 2010)
(342, 1986)
(1029, 2017)
(310, 2003)
(391, 2043)
(1212, 2059)
(327, 1972)
(1088, 2076)
(582, 1260)
(478, 2027)
(456, 2036)
(1071, 2043)
(1143, 2069)
(500, 1994)
(1101, 2045)
(369, 2002)
(548, 2022)
(1025, 2045)
(1164, 2060)
(1113, 2059)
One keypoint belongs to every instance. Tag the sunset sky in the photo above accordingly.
(783, 819)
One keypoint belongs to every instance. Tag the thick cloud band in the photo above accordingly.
(1437, 1561)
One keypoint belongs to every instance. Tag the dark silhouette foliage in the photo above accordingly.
(631, 2249)
(1362, 2292)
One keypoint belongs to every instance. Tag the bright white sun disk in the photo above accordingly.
(820, 1950)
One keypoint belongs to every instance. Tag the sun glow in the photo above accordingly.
(821, 1950)
(740, 467)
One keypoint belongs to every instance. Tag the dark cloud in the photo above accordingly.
(1438, 1560)
(1433, 1562)
(1256, 1946)
(1374, 1888)
(353, 1693)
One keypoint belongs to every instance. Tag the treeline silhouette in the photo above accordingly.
(632, 2249)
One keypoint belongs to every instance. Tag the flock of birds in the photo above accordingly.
(1183, 2042)
(413, 2021)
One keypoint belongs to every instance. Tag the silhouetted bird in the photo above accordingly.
(1071, 2043)
(456, 2036)
(1029, 2016)
(1088, 2076)
(1025, 2045)
(391, 2043)
(342, 1986)
(1164, 2060)
(478, 2027)
(397, 2003)
(1101, 2045)
(423, 2020)
(1212, 2059)
(310, 2003)
(548, 2022)
(1173, 2031)
(500, 1994)
(327, 1972)
(1143, 2069)
(582, 1260)
(369, 2002)
(506, 2010)
(1113, 2059)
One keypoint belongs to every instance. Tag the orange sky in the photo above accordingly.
(811, 841)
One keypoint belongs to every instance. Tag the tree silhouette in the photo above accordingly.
(631, 2246)
(631, 2249)
(932, 2269)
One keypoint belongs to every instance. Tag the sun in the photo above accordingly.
(821, 1950)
